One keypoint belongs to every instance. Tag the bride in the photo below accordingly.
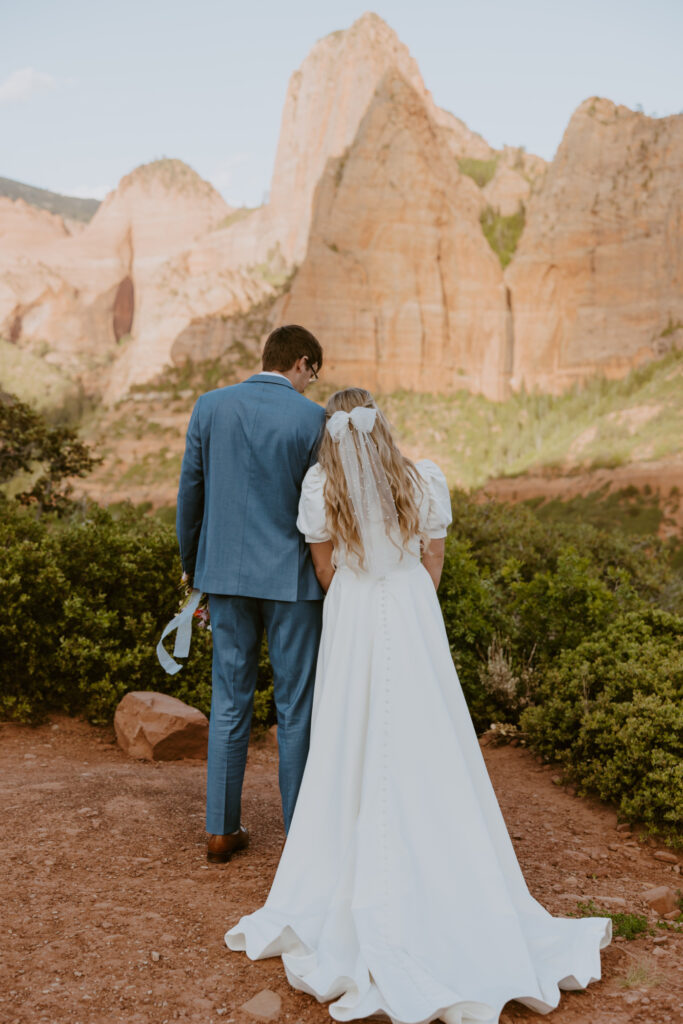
(398, 892)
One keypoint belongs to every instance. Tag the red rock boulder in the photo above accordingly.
(156, 727)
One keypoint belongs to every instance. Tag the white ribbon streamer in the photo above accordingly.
(183, 623)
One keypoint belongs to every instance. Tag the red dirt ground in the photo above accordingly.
(103, 862)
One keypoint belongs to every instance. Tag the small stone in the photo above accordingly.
(556, 780)
(659, 951)
(659, 939)
(611, 901)
(662, 899)
(265, 1004)
(623, 827)
(30, 757)
(666, 856)
(673, 915)
(557, 887)
(598, 872)
(578, 855)
(156, 957)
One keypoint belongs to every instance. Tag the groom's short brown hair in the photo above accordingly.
(286, 344)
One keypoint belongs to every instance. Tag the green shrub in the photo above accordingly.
(468, 602)
(86, 600)
(612, 711)
(503, 233)
(627, 926)
(481, 171)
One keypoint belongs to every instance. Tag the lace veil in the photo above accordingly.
(369, 490)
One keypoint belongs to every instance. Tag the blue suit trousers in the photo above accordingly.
(293, 631)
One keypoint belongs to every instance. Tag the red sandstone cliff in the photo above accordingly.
(597, 280)
(398, 280)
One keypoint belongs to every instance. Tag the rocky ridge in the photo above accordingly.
(398, 278)
(597, 280)
(166, 270)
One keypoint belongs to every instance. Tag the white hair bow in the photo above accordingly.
(363, 420)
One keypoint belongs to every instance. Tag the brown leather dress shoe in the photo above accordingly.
(221, 848)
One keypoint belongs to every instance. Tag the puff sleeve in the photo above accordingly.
(437, 506)
(311, 519)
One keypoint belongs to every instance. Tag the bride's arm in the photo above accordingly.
(432, 559)
(322, 563)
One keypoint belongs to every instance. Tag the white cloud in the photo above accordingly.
(22, 84)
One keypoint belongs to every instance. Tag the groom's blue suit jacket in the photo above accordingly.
(247, 451)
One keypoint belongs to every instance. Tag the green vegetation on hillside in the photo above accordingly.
(232, 218)
(65, 206)
(42, 385)
(480, 171)
(599, 424)
(503, 233)
(634, 512)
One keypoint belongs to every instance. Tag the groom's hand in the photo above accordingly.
(187, 580)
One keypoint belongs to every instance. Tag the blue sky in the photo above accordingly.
(90, 90)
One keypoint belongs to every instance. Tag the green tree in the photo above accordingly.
(29, 444)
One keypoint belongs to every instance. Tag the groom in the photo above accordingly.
(248, 448)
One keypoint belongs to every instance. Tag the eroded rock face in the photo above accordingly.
(399, 282)
(24, 227)
(130, 273)
(507, 190)
(157, 727)
(395, 274)
(326, 100)
(597, 280)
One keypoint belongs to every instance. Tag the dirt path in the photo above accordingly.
(110, 912)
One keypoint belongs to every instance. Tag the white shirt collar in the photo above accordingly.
(272, 373)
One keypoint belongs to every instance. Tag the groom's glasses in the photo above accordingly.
(313, 370)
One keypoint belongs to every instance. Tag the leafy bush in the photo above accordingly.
(85, 602)
(556, 626)
(612, 711)
(29, 445)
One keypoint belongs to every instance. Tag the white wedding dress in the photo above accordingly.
(398, 892)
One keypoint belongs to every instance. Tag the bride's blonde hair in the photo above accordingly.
(403, 477)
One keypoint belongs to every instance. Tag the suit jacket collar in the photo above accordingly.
(263, 378)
